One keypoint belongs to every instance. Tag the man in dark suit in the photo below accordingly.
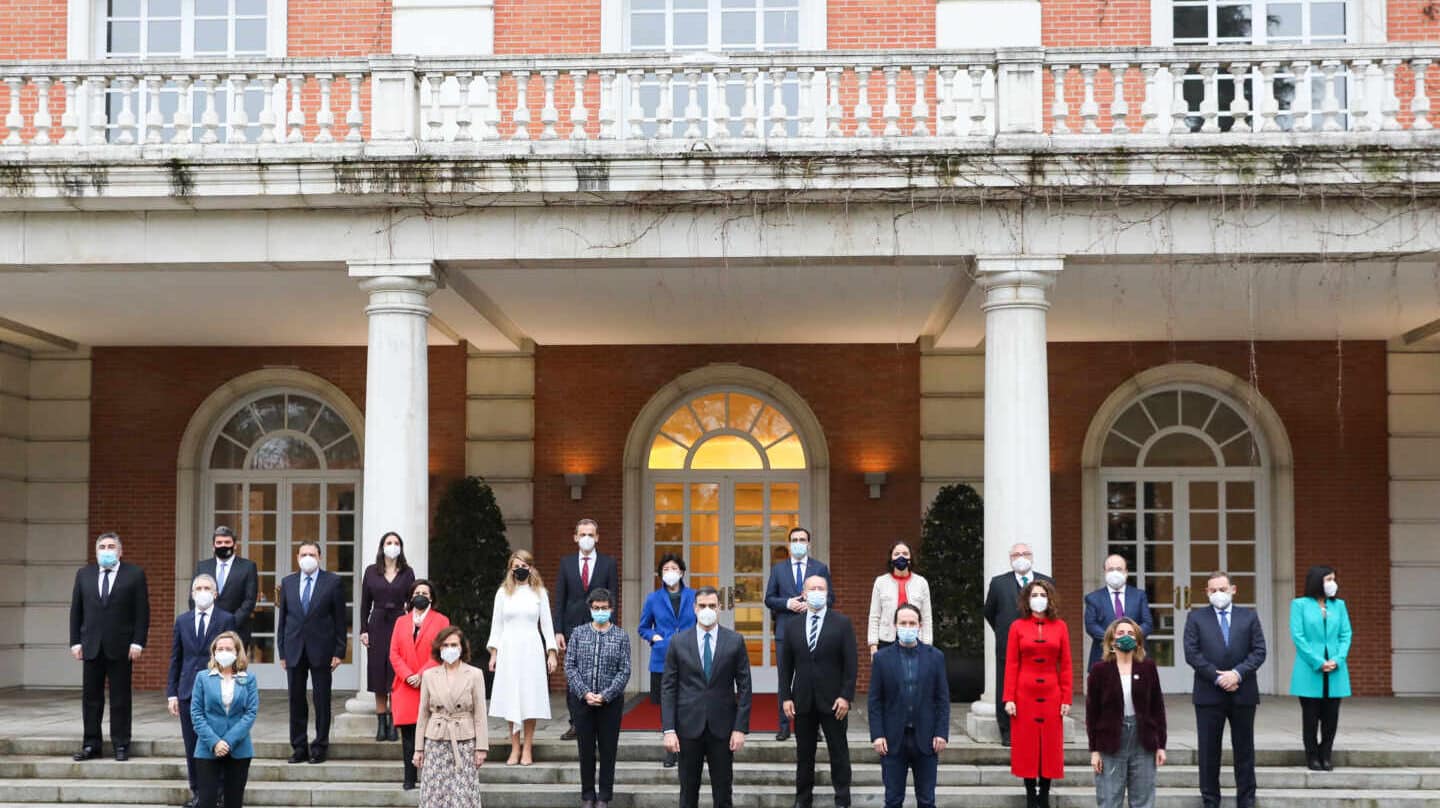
(312, 621)
(579, 575)
(785, 595)
(817, 685)
(1002, 607)
(237, 580)
(189, 654)
(1111, 602)
(109, 620)
(909, 711)
(705, 701)
(1226, 646)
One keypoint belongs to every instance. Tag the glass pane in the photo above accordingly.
(1159, 557)
(647, 5)
(1134, 424)
(1164, 408)
(304, 527)
(749, 528)
(262, 526)
(305, 497)
(340, 527)
(704, 497)
(749, 589)
(750, 558)
(780, 526)
(227, 496)
(787, 454)
(1125, 551)
(666, 454)
(264, 497)
(785, 497)
(647, 31)
(343, 455)
(710, 410)
(727, 452)
(1282, 20)
(704, 559)
(271, 412)
(340, 497)
(689, 30)
(669, 527)
(1327, 20)
(300, 412)
(669, 497)
(743, 410)
(123, 38)
(329, 427)
(243, 427)
(704, 527)
(227, 455)
(250, 7)
(1240, 557)
(284, 452)
(682, 427)
(1159, 527)
(164, 37)
(212, 36)
(1204, 557)
(1122, 527)
(749, 496)
(737, 29)
(1225, 424)
(1162, 652)
(1119, 452)
(1240, 526)
(771, 427)
(1195, 408)
(1180, 450)
(1120, 495)
(164, 8)
(1240, 496)
(1191, 22)
(662, 550)
(782, 28)
(212, 8)
(1158, 496)
(1244, 589)
(250, 36)
(750, 620)
(123, 8)
(1232, 22)
(1205, 526)
(1205, 495)
(1241, 452)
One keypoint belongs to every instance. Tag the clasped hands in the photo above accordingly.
(419, 759)
(840, 708)
(1229, 681)
(672, 741)
(1010, 709)
(882, 747)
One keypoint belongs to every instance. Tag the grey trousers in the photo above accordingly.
(1131, 769)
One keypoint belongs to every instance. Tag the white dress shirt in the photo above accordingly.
(700, 633)
(100, 587)
(810, 616)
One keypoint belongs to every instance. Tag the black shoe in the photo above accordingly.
(408, 786)
(391, 733)
(87, 753)
(317, 757)
(299, 756)
(1313, 764)
(380, 726)
(783, 734)
(190, 803)
(1326, 764)
(569, 734)
(122, 753)
(671, 760)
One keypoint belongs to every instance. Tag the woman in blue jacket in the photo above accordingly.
(223, 706)
(1320, 628)
(668, 610)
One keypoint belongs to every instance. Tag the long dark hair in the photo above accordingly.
(400, 563)
(1315, 580)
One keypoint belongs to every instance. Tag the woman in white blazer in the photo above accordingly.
(902, 584)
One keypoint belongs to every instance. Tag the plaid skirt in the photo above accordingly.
(446, 782)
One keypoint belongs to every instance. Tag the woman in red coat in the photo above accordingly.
(1038, 690)
(410, 655)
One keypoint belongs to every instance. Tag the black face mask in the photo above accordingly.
(420, 602)
(521, 573)
(224, 553)
(900, 564)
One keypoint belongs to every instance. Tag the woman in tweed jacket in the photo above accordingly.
(597, 668)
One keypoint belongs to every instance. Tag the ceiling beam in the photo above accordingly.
(487, 308)
(957, 288)
(1425, 331)
(35, 337)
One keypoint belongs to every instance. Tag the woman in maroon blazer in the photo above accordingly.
(1125, 718)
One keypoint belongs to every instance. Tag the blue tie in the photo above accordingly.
(305, 596)
(799, 582)
(709, 655)
(1225, 626)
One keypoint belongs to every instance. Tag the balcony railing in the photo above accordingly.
(718, 102)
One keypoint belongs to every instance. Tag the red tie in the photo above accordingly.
(585, 573)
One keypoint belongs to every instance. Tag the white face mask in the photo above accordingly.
(1039, 603)
(203, 599)
(707, 617)
(392, 551)
(1114, 579)
(450, 654)
(1021, 565)
(309, 564)
(671, 577)
(1220, 600)
(1331, 588)
(587, 543)
(816, 599)
(799, 549)
(225, 658)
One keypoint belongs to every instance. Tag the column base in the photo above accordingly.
(357, 722)
(982, 726)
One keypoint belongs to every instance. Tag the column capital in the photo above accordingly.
(1017, 281)
(397, 286)
(394, 267)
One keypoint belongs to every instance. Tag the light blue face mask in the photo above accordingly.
(907, 636)
(799, 549)
(107, 558)
(816, 599)
(601, 616)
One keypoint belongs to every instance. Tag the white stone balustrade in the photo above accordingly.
(499, 105)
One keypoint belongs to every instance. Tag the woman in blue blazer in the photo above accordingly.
(668, 610)
(1320, 628)
(223, 706)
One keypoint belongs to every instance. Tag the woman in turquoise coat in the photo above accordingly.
(223, 707)
(1320, 629)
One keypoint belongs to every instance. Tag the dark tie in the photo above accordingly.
(105, 588)
(585, 573)
(814, 631)
(220, 584)
(305, 596)
(200, 632)
(1119, 607)
(799, 582)
(709, 655)
(1024, 581)
(1225, 626)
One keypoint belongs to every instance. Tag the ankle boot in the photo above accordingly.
(1043, 798)
(380, 726)
(391, 733)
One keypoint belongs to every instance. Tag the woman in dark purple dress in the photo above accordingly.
(383, 591)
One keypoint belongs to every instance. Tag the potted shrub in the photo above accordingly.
(952, 555)
(468, 551)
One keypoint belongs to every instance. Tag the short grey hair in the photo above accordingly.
(204, 577)
(108, 535)
(587, 521)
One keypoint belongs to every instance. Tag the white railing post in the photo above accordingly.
(549, 113)
(750, 110)
(579, 113)
(720, 107)
(1389, 104)
(1301, 106)
(1265, 96)
(891, 111)
(1210, 106)
(43, 121)
(238, 119)
(608, 104)
(434, 114)
(834, 113)
(978, 114)
(862, 103)
(70, 118)
(1179, 107)
(694, 116)
(805, 111)
(490, 105)
(394, 99)
(778, 114)
(634, 111)
(325, 117)
(1330, 104)
(1089, 108)
(294, 112)
(1239, 107)
(125, 122)
(1059, 109)
(99, 97)
(1149, 113)
(464, 115)
(521, 116)
(665, 110)
(920, 108)
(13, 119)
(268, 120)
(1420, 102)
(209, 118)
(1119, 109)
(354, 117)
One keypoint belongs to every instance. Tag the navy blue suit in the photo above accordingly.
(1100, 613)
(778, 592)
(909, 725)
(189, 654)
(308, 640)
(1208, 653)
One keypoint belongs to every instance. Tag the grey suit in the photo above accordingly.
(704, 711)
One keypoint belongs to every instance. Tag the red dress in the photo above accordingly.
(1038, 679)
(410, 654)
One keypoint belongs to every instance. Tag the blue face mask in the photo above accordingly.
(601, 616)
(816, 599)
(107, 558)
(907, 636)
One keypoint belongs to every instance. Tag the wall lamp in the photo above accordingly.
(876, 480)
(576, 483)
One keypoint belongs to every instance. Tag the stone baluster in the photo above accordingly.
(891, 110)
(1149, 103)
(295, 115)
(521, 116)
(154, 129)
(1330, 103)
(665, 110)
(99, 122)
(549, 113)
(1179, 107)
(325, 117)
(183, 121)
(920, 107)
(778, 113)
(70, 118)
(126, 125)
(1300, 107)
(354, 117)
(209, 118)
(490, 105)
(434, 113)
(635, 113)
(1119, 109)
(948, 107)
(1389, 104)
(464, 115)
(720, 106)
(608, 104)
(862, 103)
(834, 113)
(14, 121)
(238, 118)
(978, 124)
(750, 110)
(805, 109)
(1059, 109)
(43, 120)
(1089, 108)
(579, 113)
(694, 116)
(1265, 96)
(1210, 103)
(1239, 107)
(1420, 102)
(1359, 106)
(268, 120)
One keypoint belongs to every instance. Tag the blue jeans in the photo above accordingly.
(910, 755)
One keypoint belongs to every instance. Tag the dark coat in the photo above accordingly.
(318, 635)
(813, 680)
(190, 654)
(239, 595)
(1100, 613)
(886, 702)
(689, 704)
(569, 607)
(1002, 606)
(1105, 706)
(1207, 653)
(109, 629)
(781, 588)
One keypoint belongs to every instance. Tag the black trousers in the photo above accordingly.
(96, 673)
(808, 726)
(228, 773)
(1210, 720)
(1001, 717)
(597, 728)
(187, 732)
(1322, 714)
(319, 679)
(694, 754)
(655, 680)
(407, 749)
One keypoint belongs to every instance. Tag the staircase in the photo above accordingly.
(38, 773)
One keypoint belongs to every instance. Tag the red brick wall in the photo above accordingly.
(865, 396)
(1412, 20)
(1334, 411)
(865, 24)
(338, 27)
(143, 400)
(33, 29)
(1083, 23)
(547, 26)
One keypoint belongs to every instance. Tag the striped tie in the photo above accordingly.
(814, 631)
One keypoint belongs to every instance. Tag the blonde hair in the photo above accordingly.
(534, 580)
(1108, 643)
(241, 660)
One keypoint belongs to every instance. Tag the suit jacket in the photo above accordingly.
(570, 609)
(1318, 638)
(1207, 653)
(1105, 706)
(690, 705)
(214, 721)
(814, 679)
(189, 654)
(887, 698)
(1100, 613)
(658, 617)
(316, 635)
(1002, 606)
(242, 585)
(781, 588)
(109, 628)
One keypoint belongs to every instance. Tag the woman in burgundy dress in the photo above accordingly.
(1038, 691)
(383, 591)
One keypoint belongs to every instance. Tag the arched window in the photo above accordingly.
(727, 430)
(1180, 428)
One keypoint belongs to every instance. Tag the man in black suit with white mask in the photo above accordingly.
(109, 620)
(312, 621)
(817, 685)
(237, 580)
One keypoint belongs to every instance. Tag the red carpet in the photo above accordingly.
(642, 716)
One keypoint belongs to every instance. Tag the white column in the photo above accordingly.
(1017, 430)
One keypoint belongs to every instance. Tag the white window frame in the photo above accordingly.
(615, 37)
(86, 27)
(1364, 22)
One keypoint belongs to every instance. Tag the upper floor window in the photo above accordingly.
(150, 29)
(713, 25)
(1216, 22)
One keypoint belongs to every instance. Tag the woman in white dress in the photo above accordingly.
(522, 652)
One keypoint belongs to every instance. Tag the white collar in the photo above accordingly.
(1120, 591)
(203, 612)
